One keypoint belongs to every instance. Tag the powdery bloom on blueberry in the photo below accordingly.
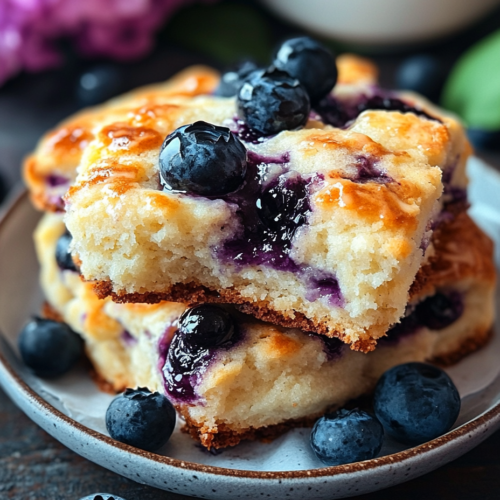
(121, 29)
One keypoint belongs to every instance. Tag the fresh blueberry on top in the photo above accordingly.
(284, 206)
(416, 402)
(98, 84)
(206, 326)
(422, 73)
(141, 418)
(203, 159)
(440, 310)
(49, 348)
(310, 62)
(271, 101)
(232, 80)
(347, 436)
(63, 255)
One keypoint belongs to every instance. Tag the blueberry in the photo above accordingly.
(310, 62)
(391, 104)
(484, 140)
(63, 255)
(49, 348)
(98, 84)
(423, 74)
(203, 159)
(203, 330)
(416, 402)
(206, 326)
(440, 310)
(271, 101)
(102, 496)
(284, 206)
(346, 436)
(232, 80)
(141, 418)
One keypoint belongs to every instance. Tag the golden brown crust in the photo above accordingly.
(471, 344)
(462, 250)
(355, 69)
(48, 312)
(195, 294)
(222, 436)
(103, 384)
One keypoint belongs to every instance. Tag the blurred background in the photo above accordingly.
(57, 56)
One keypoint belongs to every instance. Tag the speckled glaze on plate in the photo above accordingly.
(20, 296)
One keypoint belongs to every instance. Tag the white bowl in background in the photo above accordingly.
(382, 22)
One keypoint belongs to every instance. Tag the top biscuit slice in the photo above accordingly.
(373, 190)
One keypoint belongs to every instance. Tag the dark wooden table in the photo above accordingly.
(34, 466)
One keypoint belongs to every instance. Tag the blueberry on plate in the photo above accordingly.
(310, 62)
(271, 101)
(98, 84)
(440, 310)
(416, 402)
(232, 80)
(102, 496)
(484, 140)
(423, 74)
(141, 418)
(346, 436)
(206, 326)
(63, 255)
(203, 159)
(49, 348)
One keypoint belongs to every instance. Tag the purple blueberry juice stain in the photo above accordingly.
(245, 133)
(456, 194)
(341, 113)
(127, 338)
(452, 194)
(272, 204)
(332, 347)
(321, 284)
(256, 158)
(368, 171)
(440, 310)
(406, 327)
(435, 312)
(164, 344)
(185, 363)
(55, 180)
(58, 184)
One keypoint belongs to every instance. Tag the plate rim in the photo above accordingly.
(440, 444)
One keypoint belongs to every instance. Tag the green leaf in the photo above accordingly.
(228, 32)
(473, 88)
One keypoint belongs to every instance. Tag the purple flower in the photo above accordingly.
(121, 29)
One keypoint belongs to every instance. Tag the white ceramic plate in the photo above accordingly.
(20, 297)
